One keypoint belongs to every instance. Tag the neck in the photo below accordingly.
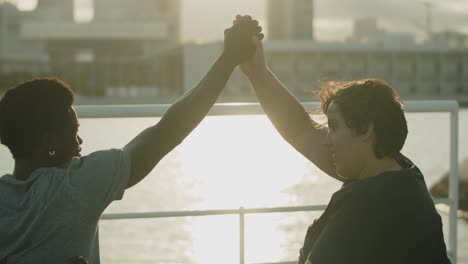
(378, 166)
(24, 168)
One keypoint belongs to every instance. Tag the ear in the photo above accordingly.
(369, 134)
(48, 142)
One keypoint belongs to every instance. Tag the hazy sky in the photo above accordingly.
(205, 20)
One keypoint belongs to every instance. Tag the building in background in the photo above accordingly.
(290, 19)
(452, 39)
(13, 48)
(119, 46)
(50, 11)
(416, 71)
(367, 31)
(119, 29)
(165, 13)
(430, 70)
(133, 49)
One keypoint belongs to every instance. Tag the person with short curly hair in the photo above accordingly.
(51, 203)
(369, 100)
(31, 111)
(383, 213)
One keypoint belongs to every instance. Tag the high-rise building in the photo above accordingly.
(290, 19)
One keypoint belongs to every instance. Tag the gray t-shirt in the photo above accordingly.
(53, 215)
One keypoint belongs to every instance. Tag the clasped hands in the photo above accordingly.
(239, 41)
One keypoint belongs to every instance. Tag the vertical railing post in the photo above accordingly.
(241, 236)
(453, 184)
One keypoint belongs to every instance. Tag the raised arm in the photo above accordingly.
(287, 114)
(151, 145)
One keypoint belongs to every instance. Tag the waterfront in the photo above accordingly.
(230, 162)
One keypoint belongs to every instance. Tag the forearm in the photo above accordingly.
(292, 121)
(185, 114)
(151, 145)
(285, 112)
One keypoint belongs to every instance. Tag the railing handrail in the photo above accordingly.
(158, 110)
(257, 210)
(130, 111)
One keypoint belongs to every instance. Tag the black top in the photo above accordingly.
(389, 218)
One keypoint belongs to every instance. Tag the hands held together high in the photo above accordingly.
(242, 43)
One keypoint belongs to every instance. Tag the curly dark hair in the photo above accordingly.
(32, 110)
(369, 100)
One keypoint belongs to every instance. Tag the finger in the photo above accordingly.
(261, 36)
(255, 22)
(257, 38)
(238, 18)
(245, 19)
(258, 29)
(253, 29)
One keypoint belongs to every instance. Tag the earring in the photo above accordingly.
(51, 152)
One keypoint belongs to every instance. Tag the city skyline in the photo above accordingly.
(205, 20)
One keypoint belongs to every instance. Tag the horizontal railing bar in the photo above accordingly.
(116, 216)
(285, 209)
(415, 106)
(431, 106)
(145, 110)
(446, 201)
(167, 214)
(284, 262)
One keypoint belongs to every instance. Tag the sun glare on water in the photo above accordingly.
(240, 157)
(238, 161)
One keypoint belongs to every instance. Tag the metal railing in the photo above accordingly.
(122, 111)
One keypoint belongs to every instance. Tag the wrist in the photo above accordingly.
(228, 60)
(258, 72)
